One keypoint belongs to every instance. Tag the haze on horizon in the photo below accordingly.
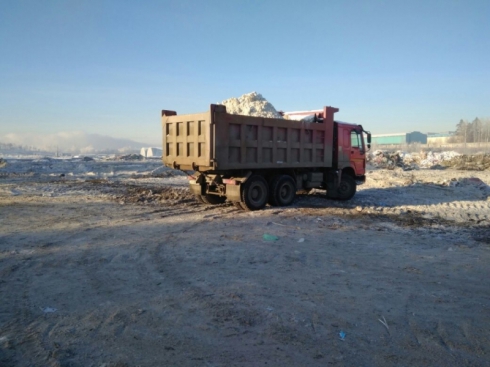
(109, 67)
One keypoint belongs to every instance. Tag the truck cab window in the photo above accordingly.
(355, 140)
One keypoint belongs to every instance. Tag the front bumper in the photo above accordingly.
(360, 180)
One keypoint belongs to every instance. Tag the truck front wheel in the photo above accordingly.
(346, 190)
(255, 193)
(283, 191)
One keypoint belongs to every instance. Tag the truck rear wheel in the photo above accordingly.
(255, 193)
(346, 190)
(211, 199)
(283, 191)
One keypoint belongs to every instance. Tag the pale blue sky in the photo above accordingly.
(109, 67)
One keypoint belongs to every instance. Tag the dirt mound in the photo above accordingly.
(166, 195)
(479, 162)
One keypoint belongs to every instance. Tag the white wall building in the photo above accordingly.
(151, 152)
(154, 152)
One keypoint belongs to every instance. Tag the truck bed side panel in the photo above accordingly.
(245, 142)
(216, 140)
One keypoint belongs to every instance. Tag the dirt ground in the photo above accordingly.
(134, 272)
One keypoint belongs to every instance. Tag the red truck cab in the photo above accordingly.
(349, 153)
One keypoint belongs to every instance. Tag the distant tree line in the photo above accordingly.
(476, 131)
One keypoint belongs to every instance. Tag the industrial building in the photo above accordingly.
(440, 138)
(397, 139)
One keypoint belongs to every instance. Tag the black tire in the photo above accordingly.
(211, 199)
(272, 201)
(346, 189)
(255, 193)
(283, 191)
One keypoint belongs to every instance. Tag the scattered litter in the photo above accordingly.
(279, 224)
(385, 323)
(301, 240)
(359, 208)
(270, 237)
(49, 309)
(342, 335)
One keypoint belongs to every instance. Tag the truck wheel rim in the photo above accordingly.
(285, 192)
(257, 193)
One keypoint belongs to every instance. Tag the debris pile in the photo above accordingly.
(167, 195)
(409, 161)
(479, 162)
(433, 159)
(390, 160)
(251, 104)
(164, 171)
(160, 172)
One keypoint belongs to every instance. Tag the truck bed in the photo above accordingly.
(216, 140)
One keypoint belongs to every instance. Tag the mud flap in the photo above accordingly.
(233, 192)
(196, 188)
(339, 178)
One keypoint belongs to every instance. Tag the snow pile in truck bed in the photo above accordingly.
(251, 104)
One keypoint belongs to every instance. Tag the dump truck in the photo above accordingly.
(254, 161)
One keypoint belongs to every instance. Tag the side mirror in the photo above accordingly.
(369, 146)
(369, 139)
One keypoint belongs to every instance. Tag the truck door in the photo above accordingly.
(357, 152)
